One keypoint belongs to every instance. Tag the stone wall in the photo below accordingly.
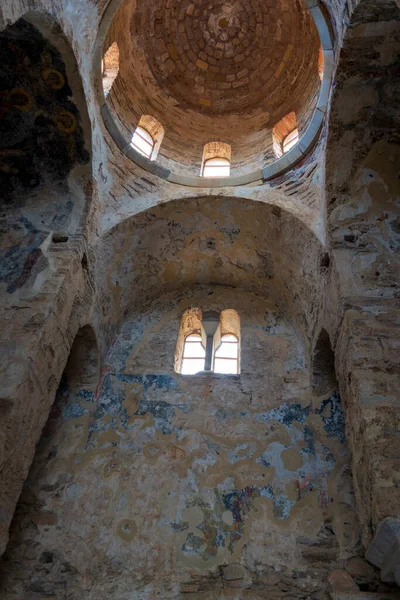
(79, 284)
(364, 210)
(159, 483)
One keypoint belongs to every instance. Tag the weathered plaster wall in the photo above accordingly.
(228, 241)
(363, 202)
(46, 188)
(157, 482)
(44, 150)
(360, 314)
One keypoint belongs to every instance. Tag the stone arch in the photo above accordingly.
(45, 148)
(201, 240)
(46, 180)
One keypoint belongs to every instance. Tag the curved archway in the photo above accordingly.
(45, 161)
(46, 179)
(213, 240)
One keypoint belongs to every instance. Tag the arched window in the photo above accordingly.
(143, 142)
(148, 137)
(285, 134)
(110, 67)
(290, 140)
(208, 341)
(217, 167)
(194, 355)
(226, 356)
(216, 160)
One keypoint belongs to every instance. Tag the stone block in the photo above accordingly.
(342, 581)
(384, 551)
(235, 575)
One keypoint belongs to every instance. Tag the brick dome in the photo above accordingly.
(224, 57)
(214, 70)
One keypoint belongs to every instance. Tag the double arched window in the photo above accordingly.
(209, 342)
(285, 134)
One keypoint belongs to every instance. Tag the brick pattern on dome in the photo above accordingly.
(223, 56)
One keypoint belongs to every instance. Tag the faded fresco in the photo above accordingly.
(41, 141)
(166, 477)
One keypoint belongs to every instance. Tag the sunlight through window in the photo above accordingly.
(226, 358)
(143, 142)
(290, 140)
(193, 355)
(217, 167)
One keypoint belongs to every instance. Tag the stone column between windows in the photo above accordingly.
(210, 324)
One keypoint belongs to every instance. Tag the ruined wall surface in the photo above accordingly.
(43, 151)
(45, 178)
(43, 310)
(227, 241)
(363, 203)
(169, 485)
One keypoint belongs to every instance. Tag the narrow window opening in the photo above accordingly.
(227, 355)
(216, 160)
(321, 63)
(217, 167)
(323, 374)
(194, 355)
(143, 142)
(290, 140)
(110, 67)
(148, 137)
(285, 134)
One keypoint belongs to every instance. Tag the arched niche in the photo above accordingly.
(213, 240)
(45, 149)
(82, 369)
(323, 366)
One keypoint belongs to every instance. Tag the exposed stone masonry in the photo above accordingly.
(120, 478)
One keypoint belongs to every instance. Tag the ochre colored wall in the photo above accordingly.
(157, 481)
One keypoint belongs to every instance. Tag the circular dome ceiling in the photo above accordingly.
(214, 70)
(225, 57)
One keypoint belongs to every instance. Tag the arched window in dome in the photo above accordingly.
(217, 167)
(110, 67)
(290, 140)
(148, 137)
(285, 134)
(216, 160)
(143, 142)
